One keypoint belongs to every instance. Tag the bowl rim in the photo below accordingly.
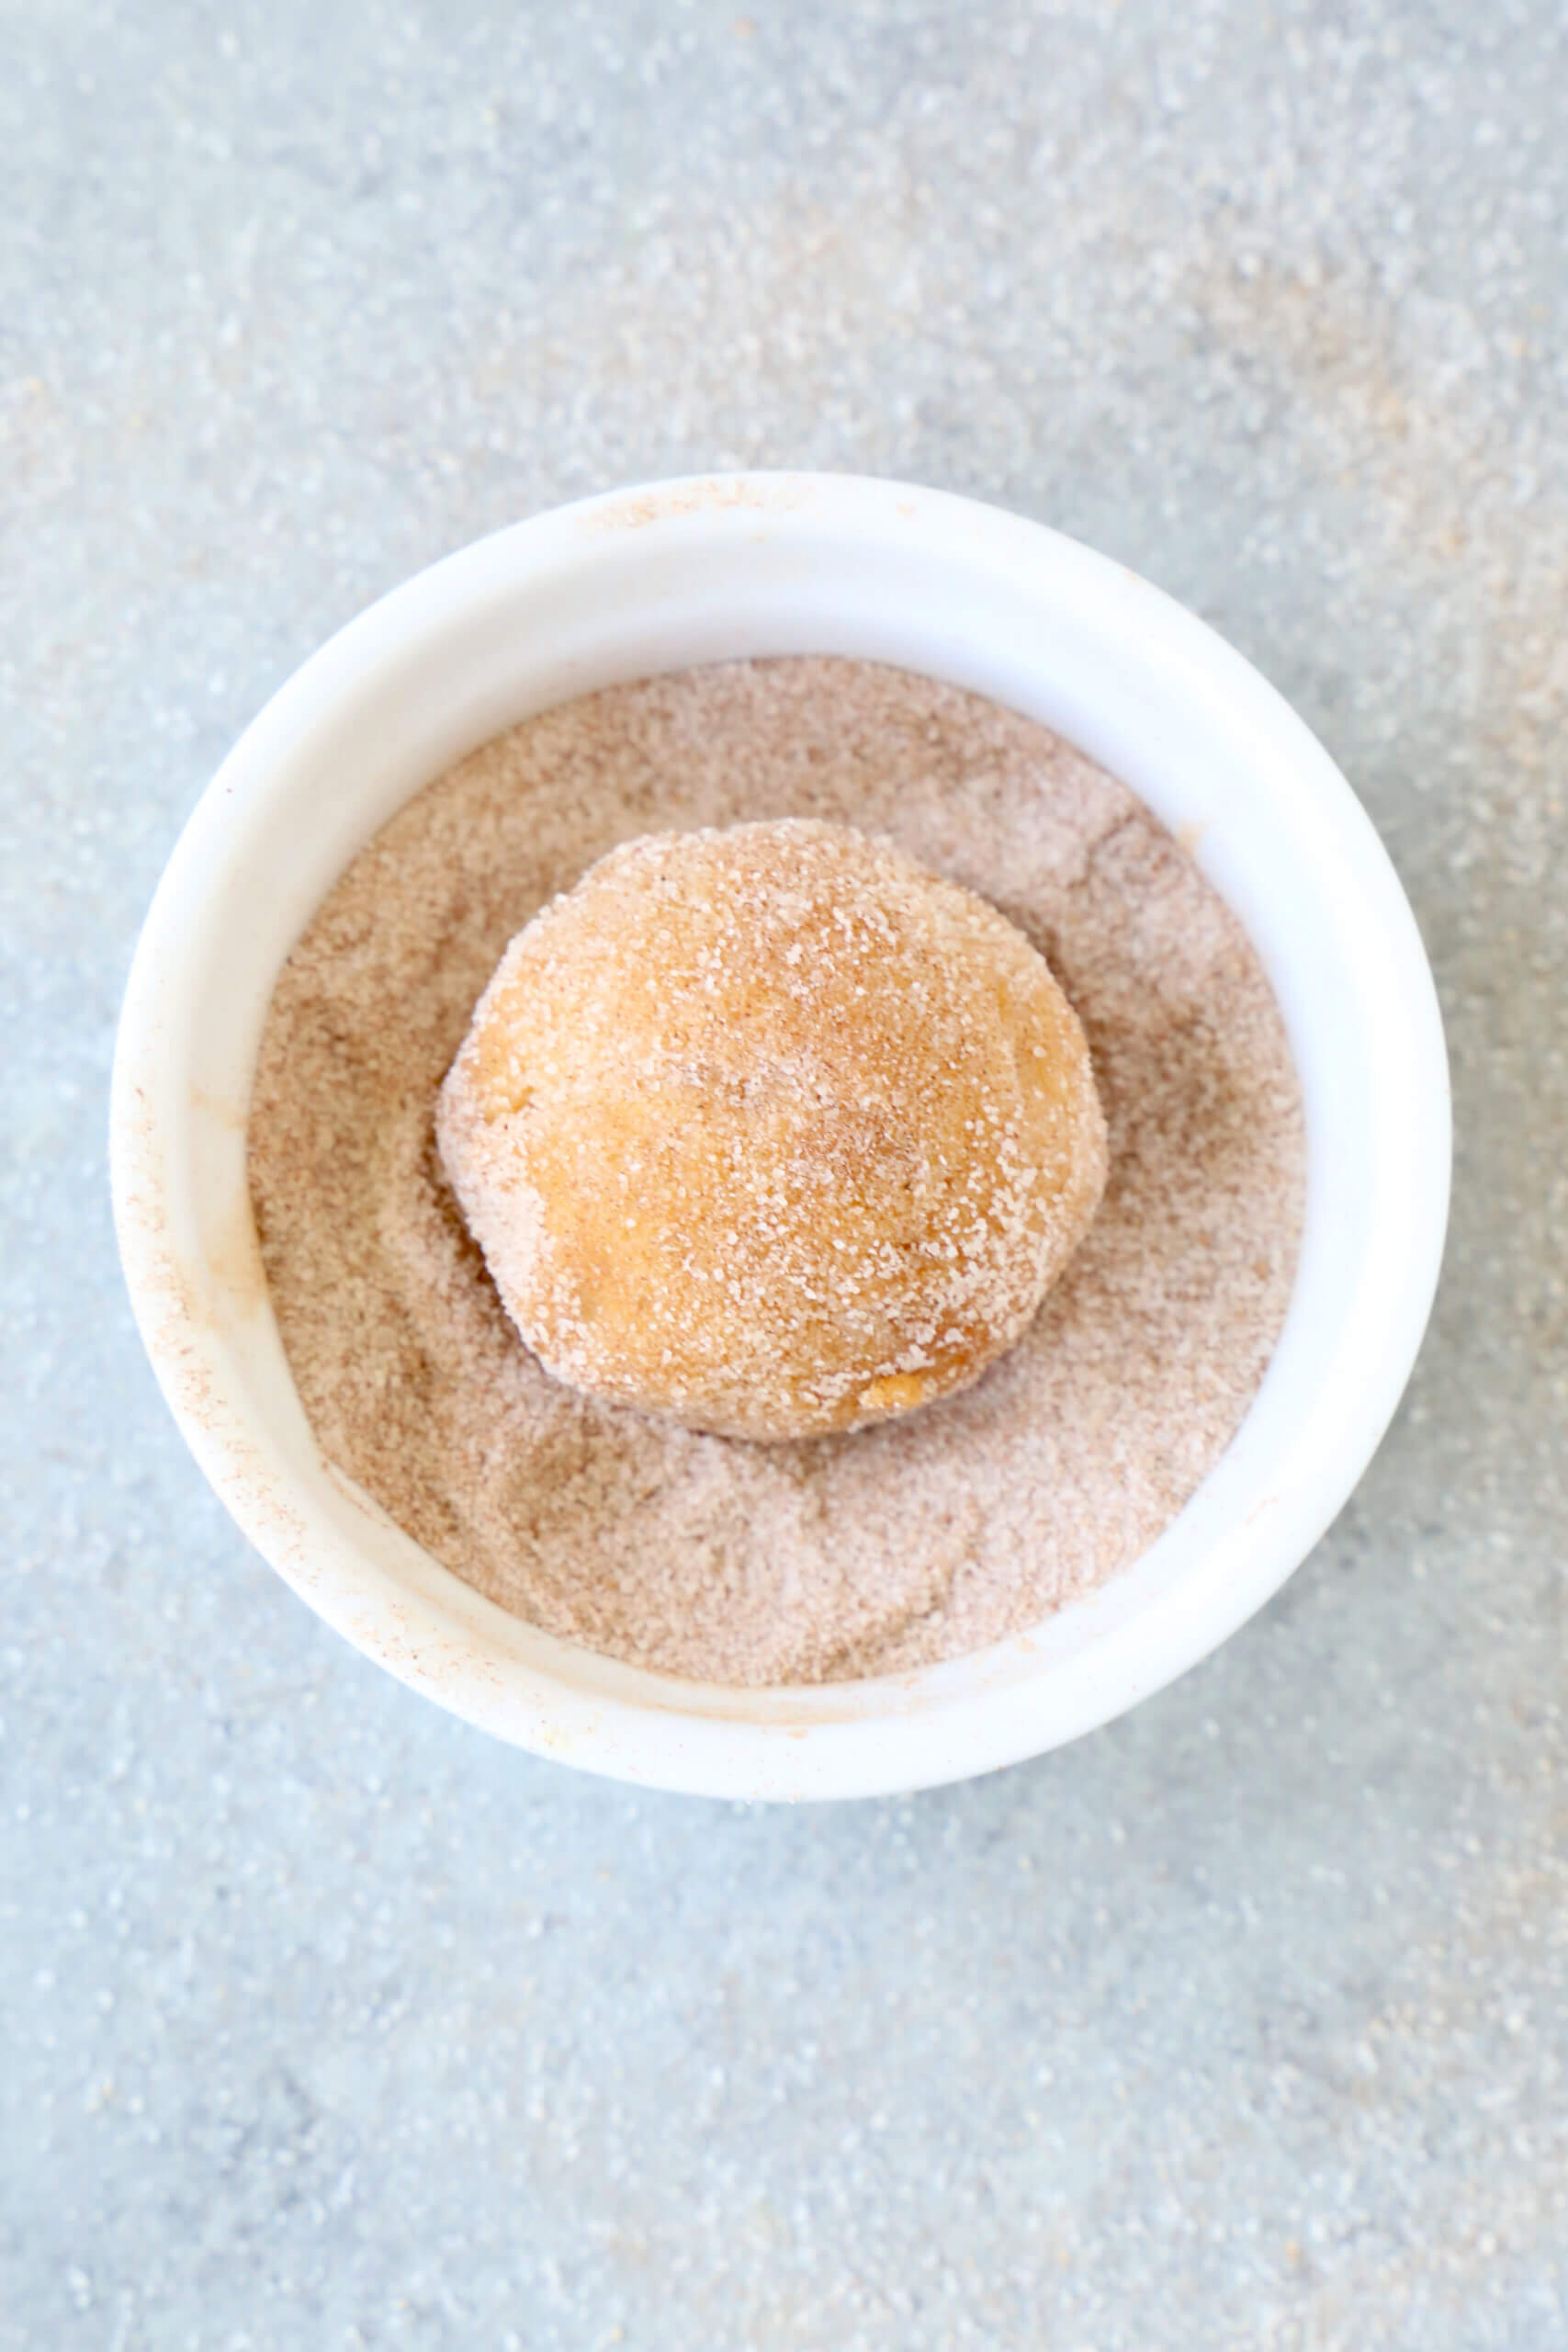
(396, 1605)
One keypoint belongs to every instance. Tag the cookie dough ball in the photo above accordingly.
(771, 1130)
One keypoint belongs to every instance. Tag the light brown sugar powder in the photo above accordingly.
(834, 1557)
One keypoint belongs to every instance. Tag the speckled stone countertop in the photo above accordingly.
(1243, 2023)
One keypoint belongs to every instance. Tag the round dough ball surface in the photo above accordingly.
(771, 1130)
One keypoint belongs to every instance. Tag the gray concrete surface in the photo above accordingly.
(1243, 2023)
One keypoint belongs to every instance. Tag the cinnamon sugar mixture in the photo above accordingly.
(835, 1557)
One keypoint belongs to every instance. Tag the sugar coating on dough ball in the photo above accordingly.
(771, 1130)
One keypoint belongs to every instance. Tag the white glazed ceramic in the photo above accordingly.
(703, 571)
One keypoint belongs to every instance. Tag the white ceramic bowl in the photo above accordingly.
(703, 571)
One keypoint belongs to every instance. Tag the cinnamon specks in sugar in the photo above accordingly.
(836, 1557)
